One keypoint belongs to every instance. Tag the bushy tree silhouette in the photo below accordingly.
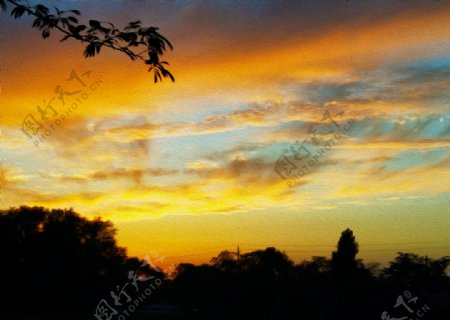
(56, 260)
(343, 260)
(415, 272)
(225, 261)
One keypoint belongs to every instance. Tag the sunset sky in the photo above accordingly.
(187, 169)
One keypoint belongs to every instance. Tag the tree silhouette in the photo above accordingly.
(343, 260)
(351, 279)
(136, 41)
(55, 260)
(225, 261)
(414, 272)
(268, 261)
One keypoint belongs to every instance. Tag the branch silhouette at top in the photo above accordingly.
(136, 41)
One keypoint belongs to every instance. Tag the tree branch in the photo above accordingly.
(96, 35)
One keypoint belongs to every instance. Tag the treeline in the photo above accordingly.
(266, 284)
(55, 261)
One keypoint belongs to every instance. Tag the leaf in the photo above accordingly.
(81, 27)
(130, 36)
(90, 50)
(133, 25)
(73, 19)
(52, 20)
(18, 11)
(153, 57)
(41, 10)
(156, 45)
(105, 30)
(3, 5)
(75, 11)
(166, 73)
(165, 40)
(37, 22)
(76, 30)
(45, 33)
(94, 24)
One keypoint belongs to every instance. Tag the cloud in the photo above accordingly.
(267, 73)
(382, 182)
(240, 170)
(136, 175)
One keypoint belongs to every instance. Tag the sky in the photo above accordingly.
(288, 122)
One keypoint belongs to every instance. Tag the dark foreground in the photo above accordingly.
(55, 264)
